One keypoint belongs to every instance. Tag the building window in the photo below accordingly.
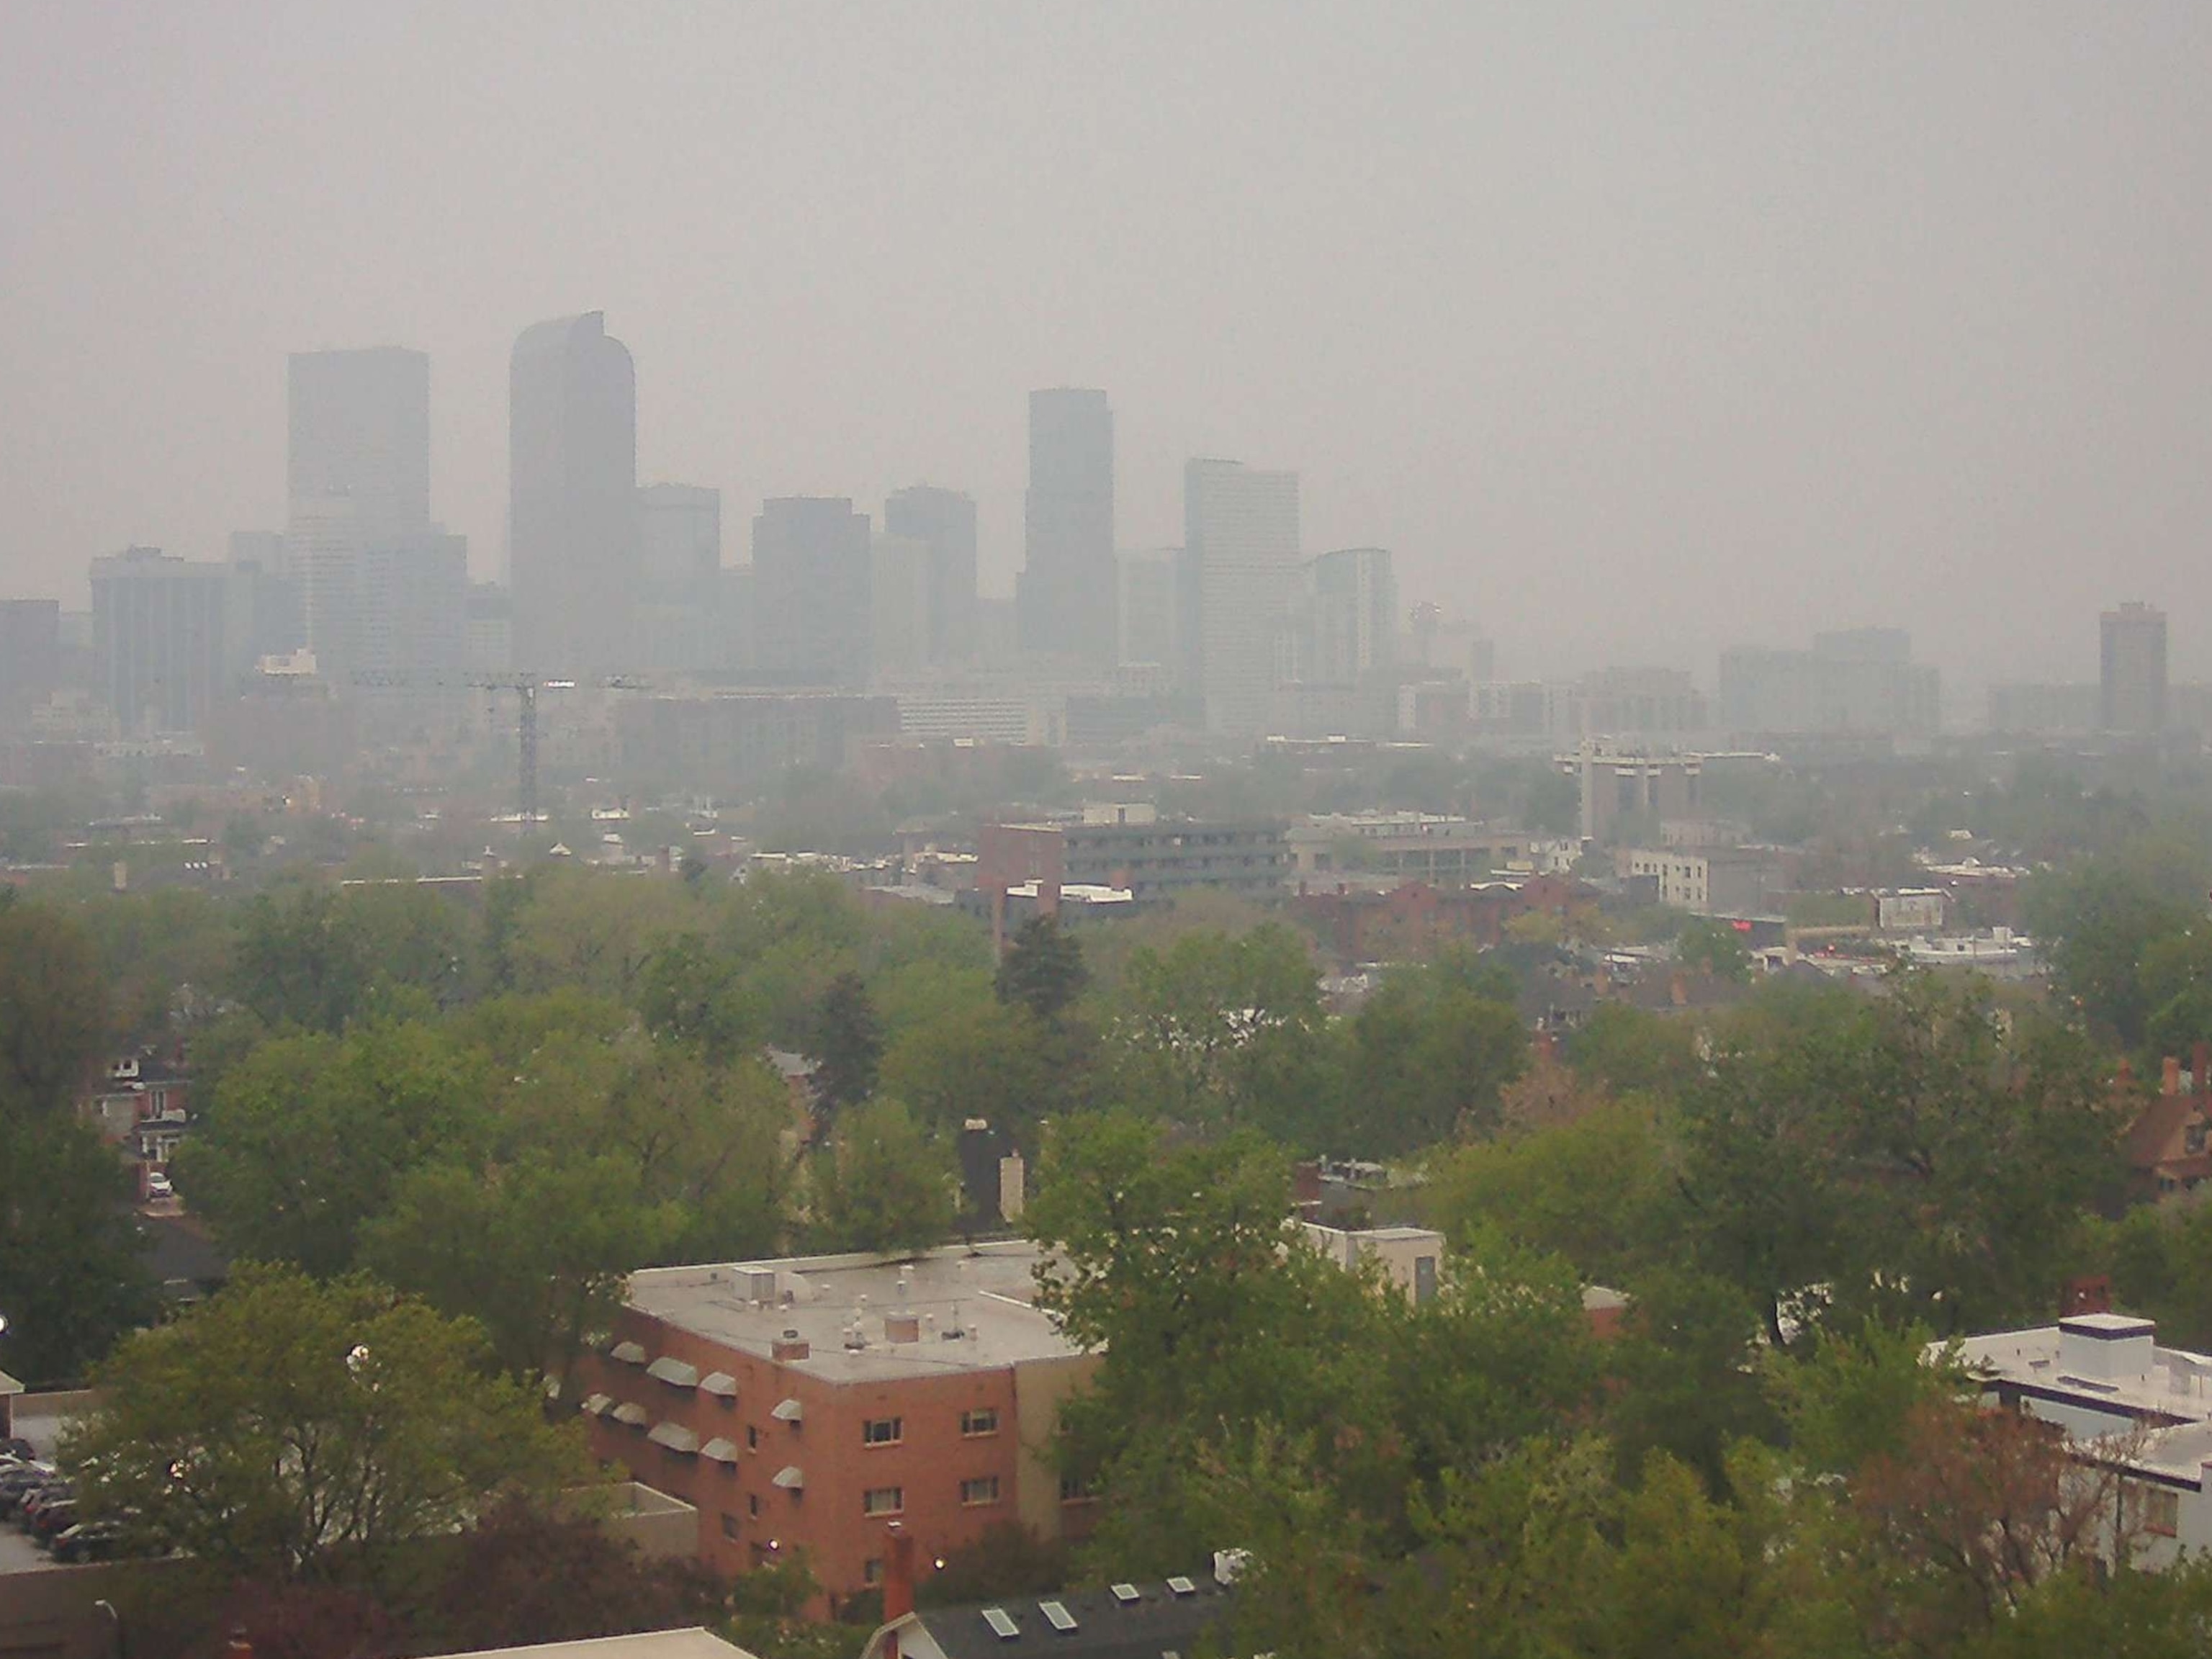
(981, 1421)
(871, 1571)
(1074, 1489)
(752, 1438)
(883, 1500)
(730, 1526)
(752, 1504)
(984, 1489)
(883, 1431)
(2160, 1509)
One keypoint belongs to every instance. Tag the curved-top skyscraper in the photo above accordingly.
(572, 496)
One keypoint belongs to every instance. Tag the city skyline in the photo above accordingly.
(1833, 316)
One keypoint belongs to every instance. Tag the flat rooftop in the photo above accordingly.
(2178, 1383)
(695, 1643)
(840, 1306)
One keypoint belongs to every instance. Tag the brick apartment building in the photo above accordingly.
(806, 1404)
(1356, 927)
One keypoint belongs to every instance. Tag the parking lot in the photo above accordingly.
(17, 1552)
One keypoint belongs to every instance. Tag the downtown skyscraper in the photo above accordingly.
(1066, 597)
(573, 534)
(1240, 566)
(357, 477)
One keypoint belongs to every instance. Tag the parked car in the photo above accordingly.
(36, 1503)
(18, 1485)
(157, 1185)
(53, 1519)
(88, 1541)
(19, 1449)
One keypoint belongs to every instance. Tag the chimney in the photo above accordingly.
(790, 1347)
(2169, 1082)
(898, 1574)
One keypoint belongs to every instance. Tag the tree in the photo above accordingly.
(308, 1430)
(51, 1007)
(319, 958)
(524, 1574)
(1631, 1050)
(2098, 922)
(1430, 1057)
(882, 1183)
(1713, 947)
(73, 1274)
(1043, 969)
(309, 1136)
(848, 1045)
(537, 1252)
(989, 1061)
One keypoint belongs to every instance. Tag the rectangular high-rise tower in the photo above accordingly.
(813, 591)
(2132, 664)
(943, 522)
(1240, 561)
(166, 639)
(357, 474)
(1066, 597)
(572, 508)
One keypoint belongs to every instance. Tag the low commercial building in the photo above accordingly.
(1718, 881)
(1150, 861)
(1441, 851)
(805, 1403)
(2125, 1404)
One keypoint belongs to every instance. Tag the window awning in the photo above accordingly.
(720, 1382)
(721, 1451)
(628, 1352)
(596, 1403)
(789, 1411)
(552, 1386)
(670, 1370)
(675, 1436)
(635, 1416)
(790, 1478)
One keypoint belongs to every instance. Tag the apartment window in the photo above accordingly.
(981, 1421)
(883, 1500)
(883, 1431)
(983, 1489)
(1074, 1489)
(730, 1526)
(752, 1504)
(2159, 1507)
(752, 1437)
(871, 1571)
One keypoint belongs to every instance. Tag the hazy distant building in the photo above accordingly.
(943, 522)
(269, 602)
(1628, 792)
(677, 620)
(813, 591)
(165, 639)
(414, 622)
(2132, 664)
(1065, 594)
(1240, 560)
(2043, 709)
(1860, 681)
(489, 637)
(358, 471)
(1151, 630)
(572, 513)
(30, 655)
(1638, 702)
(1351, 599)
(898, 600)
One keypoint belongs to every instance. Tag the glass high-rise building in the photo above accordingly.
(572, 553)
(1240, 566)
(943, 522)
(1066, 596)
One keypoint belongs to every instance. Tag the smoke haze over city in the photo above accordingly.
(1633, 331)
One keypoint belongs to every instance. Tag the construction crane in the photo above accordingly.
(525, 688)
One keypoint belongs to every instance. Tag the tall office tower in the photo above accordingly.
(358, 471)
(2132, 658)
(275, 622)
(1064, 598)
(164, 638)
(1352, 604)
(414, 607)
(1149, 633)
(572, 502)
(30, 656)
(490, 629)
(943, 521)
(898, 586)
(1240, 561)
(678, 616)
(813, 591)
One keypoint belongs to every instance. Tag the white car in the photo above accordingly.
(157, 1185)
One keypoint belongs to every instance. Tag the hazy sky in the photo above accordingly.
(1633, 329)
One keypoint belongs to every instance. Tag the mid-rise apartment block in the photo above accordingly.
(1859, 681)
(2131, 680)
(1147, 860)
(1240, 567)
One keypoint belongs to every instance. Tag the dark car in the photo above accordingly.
(37, 1503)
(53, 1519)
(17, 1446)
(15, 1487)
(88, 1541)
